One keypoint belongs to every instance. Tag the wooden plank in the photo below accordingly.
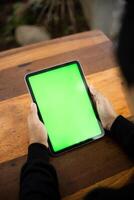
(93, 59)
(111, 84)
(117, 181)
(86, 34)
(94, 51)
(48, 49)
(15, 111)
(78, 167)
(73, 166)
(13, 137)
(10, 175)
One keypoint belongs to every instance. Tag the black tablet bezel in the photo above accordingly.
(53, 153)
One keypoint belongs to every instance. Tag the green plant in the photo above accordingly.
(59, 17)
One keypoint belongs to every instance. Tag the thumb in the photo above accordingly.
(33, 108)
(93, 90)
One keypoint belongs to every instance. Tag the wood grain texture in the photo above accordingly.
(10, 179)
(73, 166)
(10, 173)
(111, 84)
(15, 111)
(48, 49)
(93, 59)
(94, 51)
(13, 123)
(117, 181)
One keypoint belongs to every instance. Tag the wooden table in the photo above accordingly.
(100, 163)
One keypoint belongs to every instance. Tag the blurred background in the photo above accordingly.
(30, 21)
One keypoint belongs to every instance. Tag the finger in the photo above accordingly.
(94, 100)
(92, 89)
(90, 86)
(33, 109)
(93, 94)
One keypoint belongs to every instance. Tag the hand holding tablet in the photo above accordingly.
(65, 106)
(37, 131)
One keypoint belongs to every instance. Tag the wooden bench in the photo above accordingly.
(102, 162)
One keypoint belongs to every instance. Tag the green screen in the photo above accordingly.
(65, 106)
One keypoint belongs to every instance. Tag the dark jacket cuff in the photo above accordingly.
(121, 129)
(118, 125)
(38, 151)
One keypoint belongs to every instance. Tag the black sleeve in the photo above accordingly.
(123, 131)
(38, 178)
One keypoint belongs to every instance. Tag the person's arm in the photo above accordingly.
(120, 128)
(38, 179)
(123, 131)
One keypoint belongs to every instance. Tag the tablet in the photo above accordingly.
(65, 106)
